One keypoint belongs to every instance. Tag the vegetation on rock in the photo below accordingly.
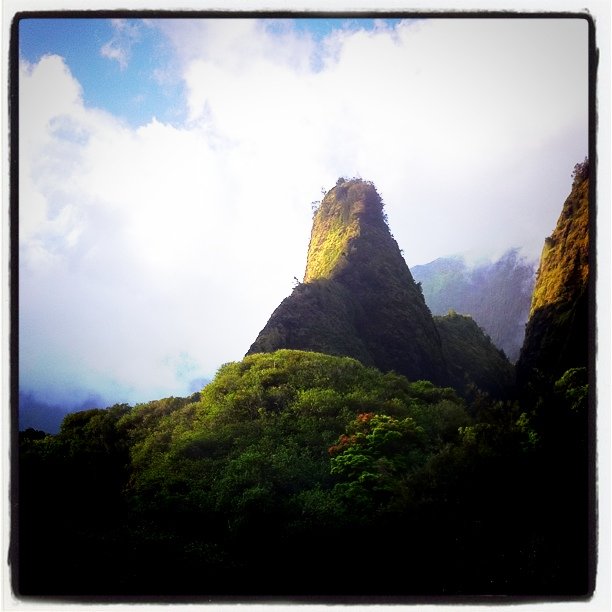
(337, 223)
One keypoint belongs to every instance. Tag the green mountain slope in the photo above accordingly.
(473, 358)
(554, 383)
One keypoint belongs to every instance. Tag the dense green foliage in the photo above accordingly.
(497, 295)
(287, 475)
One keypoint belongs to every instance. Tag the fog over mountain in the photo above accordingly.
(497, 294)
(167, 169)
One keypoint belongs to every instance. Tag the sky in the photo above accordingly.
(168, 169)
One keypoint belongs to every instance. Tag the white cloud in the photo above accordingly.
(432, 112)
(110, 50)
(139, 246)
(151, 254)
(119, 47)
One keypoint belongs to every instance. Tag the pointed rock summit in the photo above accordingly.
(350, 216)
(358, 298)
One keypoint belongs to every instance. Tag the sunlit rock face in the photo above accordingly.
(557, 333)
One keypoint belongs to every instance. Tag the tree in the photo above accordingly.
(376, 456)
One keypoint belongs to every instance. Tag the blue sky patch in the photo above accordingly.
(117, 63)
(126, 66)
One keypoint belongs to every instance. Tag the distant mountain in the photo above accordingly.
(38, 414)
(359, 299)
(497, 295)
(557, 334)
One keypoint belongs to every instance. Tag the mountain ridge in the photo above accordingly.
(359, 298)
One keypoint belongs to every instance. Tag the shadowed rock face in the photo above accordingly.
(358, 297)
(557, 333)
